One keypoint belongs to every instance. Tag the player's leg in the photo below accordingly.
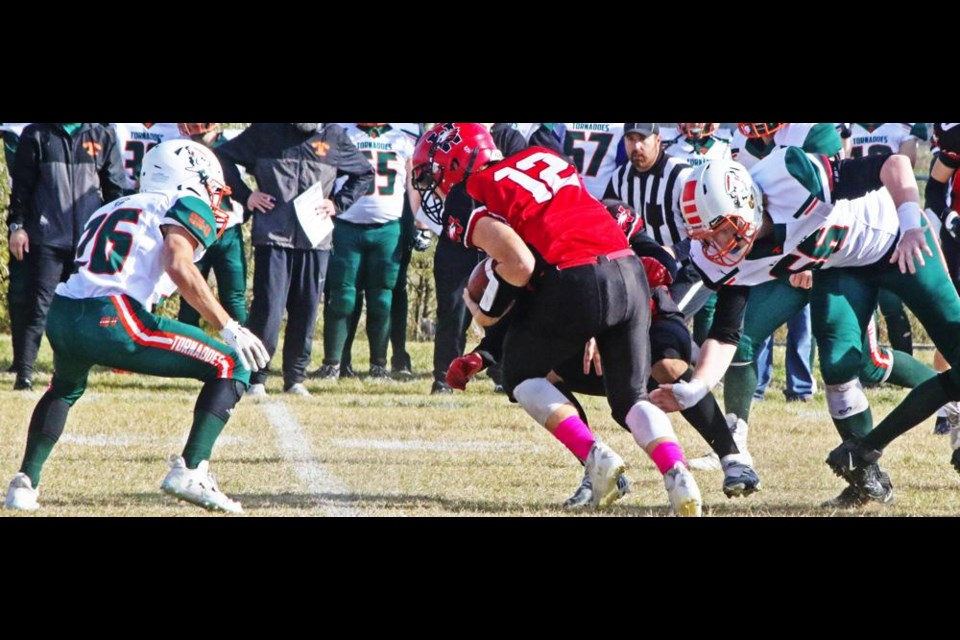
(230, 269)
(400, 364)
(770, 305)
(342, 276)
(670, 344)
(942, 323)
(145, 343)
(381, 265)
(843, 302)
(547, 329)
(898, 324)
(624, 342)
(66, 326)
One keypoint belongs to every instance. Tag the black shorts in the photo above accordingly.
(669, 338)
(608, 300)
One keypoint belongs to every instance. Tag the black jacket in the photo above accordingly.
(286, 162)
(59, 180)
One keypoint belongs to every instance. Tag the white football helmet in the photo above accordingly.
(184, 165)
(722, 208)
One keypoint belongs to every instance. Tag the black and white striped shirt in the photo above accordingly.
(655, 195)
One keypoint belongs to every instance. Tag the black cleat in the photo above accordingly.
(440, 388)
(379, 372)
(23, 383)
(955, 459)
(858, 466)
(849, 498)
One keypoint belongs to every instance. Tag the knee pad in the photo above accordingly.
(539, 398)
(219, 397)
(846, 399)
(648, 423)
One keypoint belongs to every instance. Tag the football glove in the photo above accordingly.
(251, 352)
(462, 369)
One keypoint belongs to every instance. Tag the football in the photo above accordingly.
(479, 278)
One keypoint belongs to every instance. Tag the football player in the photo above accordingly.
(590, 285)
(367, 237)
(794, 216)
(133, 251)
(670, 356)
(135, 139)
(596, 150)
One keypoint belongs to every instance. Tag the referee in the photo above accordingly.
(651, 185)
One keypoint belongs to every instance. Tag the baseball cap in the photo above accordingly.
(643, 128)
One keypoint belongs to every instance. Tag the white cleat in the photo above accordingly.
(197, 486)
(707, 462)
(583, 496)
(297, 389)
(604, 468)
(257, 391)
(21, 495)
(685, 500)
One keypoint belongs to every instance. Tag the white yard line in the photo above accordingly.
(296, 450)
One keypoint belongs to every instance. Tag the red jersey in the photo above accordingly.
(542, 197)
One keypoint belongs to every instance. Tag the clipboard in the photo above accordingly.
(317, 226)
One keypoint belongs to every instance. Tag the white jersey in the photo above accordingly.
(699, 150)
(120, 249)
(388, 149)
(794, 134)
(883, 137)
(593, 148)
(135, 139)
(809, 232)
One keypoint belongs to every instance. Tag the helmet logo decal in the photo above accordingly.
(446, 138)
(455, 230)
(625, 218)
(738, 191)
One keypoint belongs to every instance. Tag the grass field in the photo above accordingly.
(390, 449)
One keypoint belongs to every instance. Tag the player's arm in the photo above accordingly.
(515, 263)
(716, 354)
(178, 249)
(936, 191)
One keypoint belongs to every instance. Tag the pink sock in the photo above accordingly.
(666, 455)
(576, 436)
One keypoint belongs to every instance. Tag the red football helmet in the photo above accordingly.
(447, 155)
(196, 128)
(697, 129)
(758, 129)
